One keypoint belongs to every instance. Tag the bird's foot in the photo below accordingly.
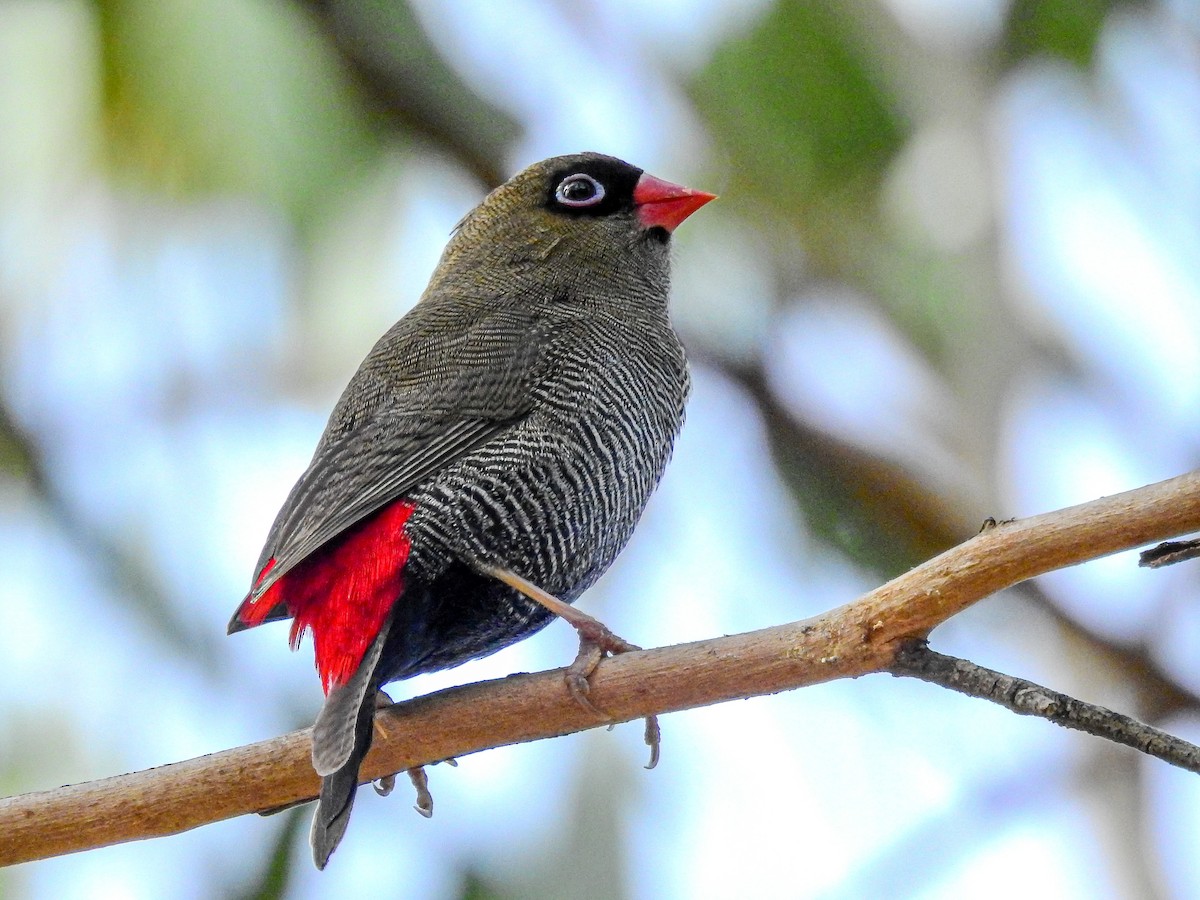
(596, 641)
(424, 805)
(416, 775)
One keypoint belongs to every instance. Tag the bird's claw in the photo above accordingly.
(653, 740)
(416, 775)
(596, 642)
(580, 671)
(420, 781)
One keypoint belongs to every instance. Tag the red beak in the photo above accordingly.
(664, 205)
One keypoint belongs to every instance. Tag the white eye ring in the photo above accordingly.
(592, 193)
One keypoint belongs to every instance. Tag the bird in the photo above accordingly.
(491, 455)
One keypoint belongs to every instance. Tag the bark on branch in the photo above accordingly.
(859, 638)
(1026, 698)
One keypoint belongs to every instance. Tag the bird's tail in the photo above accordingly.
(341, 738)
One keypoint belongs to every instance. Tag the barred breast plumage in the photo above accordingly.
(557, 497)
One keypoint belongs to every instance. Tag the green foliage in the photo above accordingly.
(15, 460)
(477, 886)
(797, 101)
(238, 96)
(1067, 29)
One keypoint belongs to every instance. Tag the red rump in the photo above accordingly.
(342, 591)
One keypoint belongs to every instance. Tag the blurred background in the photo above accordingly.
(954, 273)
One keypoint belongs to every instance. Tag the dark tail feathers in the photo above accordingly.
(341, 739)
(338, 790)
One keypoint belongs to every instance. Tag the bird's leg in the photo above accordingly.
(595, 642)
(595, 639)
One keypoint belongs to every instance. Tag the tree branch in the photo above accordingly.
(1169, 553)
(856, 639)
(1026, 698)
(405, 79)
(839, 485)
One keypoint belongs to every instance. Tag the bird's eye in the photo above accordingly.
(579, 190)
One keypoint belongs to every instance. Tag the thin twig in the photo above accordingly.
(1169, 552)
(914, 659)
(403, 76)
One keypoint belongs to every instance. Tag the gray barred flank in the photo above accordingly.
(556, 496)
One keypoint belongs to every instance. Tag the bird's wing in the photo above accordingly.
(420, 401)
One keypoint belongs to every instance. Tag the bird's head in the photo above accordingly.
(583, 212)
